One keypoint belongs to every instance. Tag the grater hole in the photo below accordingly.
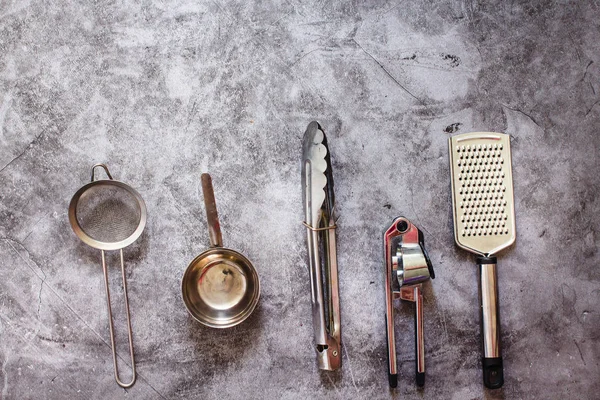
(482, 190)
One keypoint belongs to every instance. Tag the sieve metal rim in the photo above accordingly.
(97, 244)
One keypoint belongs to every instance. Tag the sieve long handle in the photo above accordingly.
(493, 375)
(111, 327)
(212, 218)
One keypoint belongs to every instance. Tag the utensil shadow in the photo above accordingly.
(222, 347)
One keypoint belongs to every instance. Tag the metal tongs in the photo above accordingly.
(407, 266)
(320, 222)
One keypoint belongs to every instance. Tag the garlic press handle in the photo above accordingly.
(391, 350)
(419, 337)
(391, 290)
(414, 294)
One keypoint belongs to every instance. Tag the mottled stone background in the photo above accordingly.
(163, 91)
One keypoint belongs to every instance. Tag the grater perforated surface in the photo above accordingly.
(482, 191)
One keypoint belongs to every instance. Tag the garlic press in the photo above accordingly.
(407, 267)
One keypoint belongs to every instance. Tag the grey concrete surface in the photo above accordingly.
(163, 91)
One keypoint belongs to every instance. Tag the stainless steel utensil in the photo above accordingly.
(407, 266)
(484, 224)
(319, 214)
(109, 215)
(220, 287)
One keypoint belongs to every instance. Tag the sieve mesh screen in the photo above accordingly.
(108, 213)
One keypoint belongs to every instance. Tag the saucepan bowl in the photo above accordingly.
(220, 288)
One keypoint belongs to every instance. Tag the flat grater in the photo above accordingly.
(484, 224)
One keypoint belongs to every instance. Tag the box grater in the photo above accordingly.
(484, 224)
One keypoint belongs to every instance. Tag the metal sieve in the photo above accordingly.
(109, 215)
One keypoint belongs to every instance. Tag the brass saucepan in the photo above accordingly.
(220, 287)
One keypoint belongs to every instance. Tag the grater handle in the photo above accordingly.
(493, 375)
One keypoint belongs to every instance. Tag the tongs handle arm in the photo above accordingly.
(327, 333)
(493, 375)
(335, 325)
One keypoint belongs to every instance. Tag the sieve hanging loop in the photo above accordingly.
(105, 170)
